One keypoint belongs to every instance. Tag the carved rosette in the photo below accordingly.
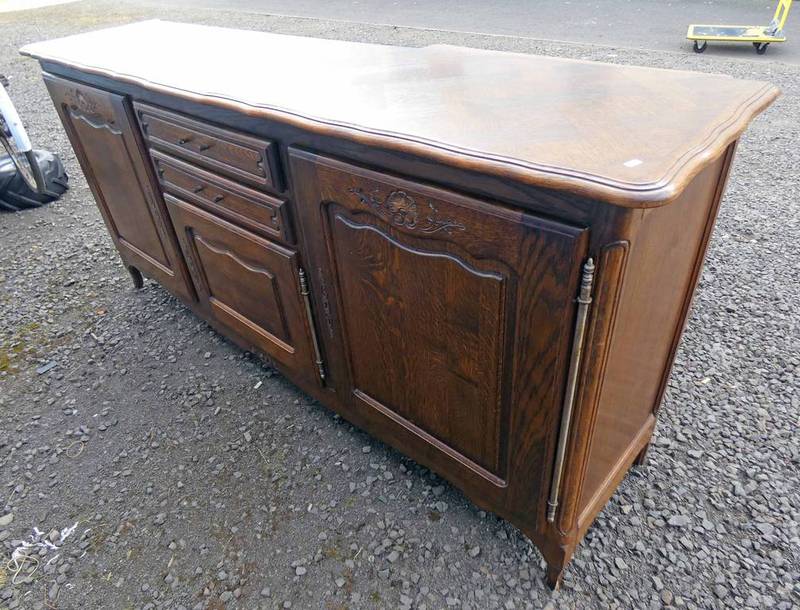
(402, 210)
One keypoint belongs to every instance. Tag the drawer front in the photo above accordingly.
(261, 213)
(248, 284)
(245, 158)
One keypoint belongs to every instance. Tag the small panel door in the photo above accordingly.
(248, 283)
(99, 126)
(448, 318)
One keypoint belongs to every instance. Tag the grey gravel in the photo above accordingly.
(184, 459)
(679, 521)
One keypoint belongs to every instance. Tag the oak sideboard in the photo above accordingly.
(484, 259)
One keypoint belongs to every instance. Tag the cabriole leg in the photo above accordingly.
(554, 574)
(136, 275)
(641, 459)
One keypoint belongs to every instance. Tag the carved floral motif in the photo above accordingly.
(83, 106)
(402, 210)
(83, 103)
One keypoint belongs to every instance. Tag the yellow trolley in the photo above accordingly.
(760, 35)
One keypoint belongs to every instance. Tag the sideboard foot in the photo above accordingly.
(136, 275)
(553, 578)
(641, 459)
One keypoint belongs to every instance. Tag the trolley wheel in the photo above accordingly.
(761, 47)
(699, 48)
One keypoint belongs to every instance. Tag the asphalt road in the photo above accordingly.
(634, 24)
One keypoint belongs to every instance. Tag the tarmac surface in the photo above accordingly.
(623, 24)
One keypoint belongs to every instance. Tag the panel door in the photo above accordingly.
(99, 126)
(448, 319)
(247, 283)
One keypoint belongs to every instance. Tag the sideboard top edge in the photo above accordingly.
(657, 188)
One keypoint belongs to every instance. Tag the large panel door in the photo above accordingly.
(448, 319)
(249, 284)
(99, 125)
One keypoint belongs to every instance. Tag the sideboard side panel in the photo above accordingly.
(664, 264)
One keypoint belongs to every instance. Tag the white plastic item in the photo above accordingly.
(14, 124)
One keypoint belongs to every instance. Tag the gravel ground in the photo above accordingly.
(168, 469)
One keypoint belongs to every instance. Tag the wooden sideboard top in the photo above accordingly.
(628, 135)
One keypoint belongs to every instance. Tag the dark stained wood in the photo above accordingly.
(437, 209)
(241, 205)
(247, 283)
(100, 127)
(408, 300)
(237, 155)
(610, 277)
(632, 135)
(434, 294)
(668, 250)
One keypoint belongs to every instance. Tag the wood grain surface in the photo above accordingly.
(102, 132)
(624, 134)
(247, 283)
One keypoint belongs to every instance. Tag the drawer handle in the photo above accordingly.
(198, 188)
(203, 147)
(218, 198)
(185, 140)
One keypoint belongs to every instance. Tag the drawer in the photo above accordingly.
(245, 158)
(256, 211)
